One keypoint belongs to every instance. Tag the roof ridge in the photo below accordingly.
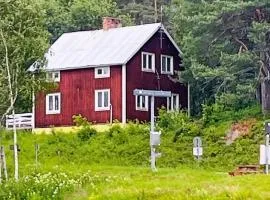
(124, 27)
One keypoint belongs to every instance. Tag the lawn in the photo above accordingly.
(172, 183)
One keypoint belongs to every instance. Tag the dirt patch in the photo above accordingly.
(239, 129)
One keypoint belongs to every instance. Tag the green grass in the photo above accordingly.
(118, 160)
(123, 183)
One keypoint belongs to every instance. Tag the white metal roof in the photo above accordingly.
(99, 48)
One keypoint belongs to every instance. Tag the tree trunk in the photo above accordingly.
(16, 163)
(265, 88)
(12, 98)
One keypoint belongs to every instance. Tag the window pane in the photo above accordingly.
(149, 62)
(163, 64)
(144, 61)
(106, 99)
(99, 71)
(169, 103)
(168, 64)
(56, 75)
(50, 102)
(99, 99)
(143, 101)
(174, 101)
(105, 70)
(56, 105)
(138, 101)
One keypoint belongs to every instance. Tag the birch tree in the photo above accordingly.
(23, 39)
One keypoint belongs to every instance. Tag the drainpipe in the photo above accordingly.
(111, 114)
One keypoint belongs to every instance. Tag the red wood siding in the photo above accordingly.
(77, 88)
(137, 79)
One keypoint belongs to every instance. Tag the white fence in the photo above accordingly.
(22, 121)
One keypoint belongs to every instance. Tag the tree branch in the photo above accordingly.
(240, 42)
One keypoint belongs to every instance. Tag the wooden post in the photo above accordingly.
(4, 163)
(1, 162)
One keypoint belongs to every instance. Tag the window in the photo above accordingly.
(102, 72)
(53, 103)
(53, 76)
(166, 64)
(102, 100)
(173, 102)
(148, 62)
(142, 103)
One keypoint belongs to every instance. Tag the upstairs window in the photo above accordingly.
(102, 100)
(102, 72)
(148, 62)
(53, 76)
(166, 64)
(141, 103)
(173, 102)
(53, 103)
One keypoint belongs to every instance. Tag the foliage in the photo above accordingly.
(45, 185)
(86, 131)
(129, 145)
(216, 113)
(143, 11)
(179, 123)
(220, 45)
(22, 30)
(79, 120)
(171, 120)
(79, 15)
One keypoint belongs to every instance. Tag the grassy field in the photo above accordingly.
(121, 183)
(90, 162)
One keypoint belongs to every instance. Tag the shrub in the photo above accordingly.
(115, 129)
(171, 120)
(44, 186)
(216, 113)
(86, 132)
(79, 120)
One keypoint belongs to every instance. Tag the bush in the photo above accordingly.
(86, 132)
(171, 120)
(79, 120)
(44, 186)
(217, 113)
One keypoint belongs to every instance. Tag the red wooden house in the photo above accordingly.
(97, 72)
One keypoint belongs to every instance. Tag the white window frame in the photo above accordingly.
(140, 107)
(152, 69)
(170, 103)
(161, 64)
(103, 75)
(53, 111)
(102, 108)
(52, 78)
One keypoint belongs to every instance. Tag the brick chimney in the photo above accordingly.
(110, 22)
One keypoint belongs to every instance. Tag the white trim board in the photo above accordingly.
(124, 94)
